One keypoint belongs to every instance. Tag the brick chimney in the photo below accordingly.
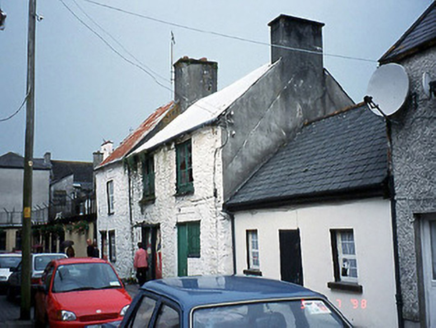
(298, 42)
(193, 80)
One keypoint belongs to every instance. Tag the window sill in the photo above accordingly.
(147, 200)
(346, 286)
(252, 272)
(184, 193)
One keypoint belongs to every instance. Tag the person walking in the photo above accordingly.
(70, 251)
(140, 263)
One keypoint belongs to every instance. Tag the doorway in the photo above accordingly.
(291, 268)
(428, 239)
(151, 240)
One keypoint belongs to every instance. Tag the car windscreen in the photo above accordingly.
(283, 314)
(9, 262)
(84, 276)
(41, 261)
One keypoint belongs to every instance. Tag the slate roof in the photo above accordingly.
(421, 35)
(82, 172)
(206, 110)
(338, 155)
(15, 161)
(135, 138)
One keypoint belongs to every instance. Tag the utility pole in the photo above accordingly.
(28, 167)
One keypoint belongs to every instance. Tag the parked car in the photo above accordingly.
(8, 263)
(38, 263)
(229, 301)
(79, 292)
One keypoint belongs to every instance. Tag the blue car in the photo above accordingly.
(229, 301)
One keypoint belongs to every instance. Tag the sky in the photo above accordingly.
(103, 66)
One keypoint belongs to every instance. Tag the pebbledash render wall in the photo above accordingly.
(414, 144)
(203, 205)
(119, 220)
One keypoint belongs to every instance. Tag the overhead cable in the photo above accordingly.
(227, 35)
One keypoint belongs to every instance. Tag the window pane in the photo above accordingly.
(194, 239)
(144, 313)
(167, 318)
(253, 250)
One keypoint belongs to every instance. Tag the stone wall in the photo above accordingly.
(203, 205)
(414, 160)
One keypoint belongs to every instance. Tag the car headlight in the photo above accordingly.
(124, 310)
(66, 315)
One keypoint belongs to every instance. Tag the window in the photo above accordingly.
(253, 250)
(184, 168)
(112, 253)
(148, 178)
(344, 260)
(110, 197)
(167, 317)
(144, 313)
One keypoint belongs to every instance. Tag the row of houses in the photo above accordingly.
(281, 175)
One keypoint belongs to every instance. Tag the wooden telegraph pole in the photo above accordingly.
(28, 167)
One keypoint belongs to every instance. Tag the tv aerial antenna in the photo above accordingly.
(387, 90)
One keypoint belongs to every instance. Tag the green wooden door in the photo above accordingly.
(182, 250)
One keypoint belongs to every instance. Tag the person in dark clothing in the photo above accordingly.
(90, 248)
(96, 252)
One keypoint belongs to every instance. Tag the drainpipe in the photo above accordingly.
(398, 295)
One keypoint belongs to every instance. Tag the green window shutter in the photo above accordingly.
(148, 177)
(185, 180)
(194, 239)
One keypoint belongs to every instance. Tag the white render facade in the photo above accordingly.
(119, 220)
(370, 221)
(203, 205)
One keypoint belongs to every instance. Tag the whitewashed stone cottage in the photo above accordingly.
(183, 174)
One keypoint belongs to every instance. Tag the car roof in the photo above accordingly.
(10, 255)
(200, 290)
(77, 260)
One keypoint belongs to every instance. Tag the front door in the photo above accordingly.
(428, 232)
(290, 256)
(151, 242)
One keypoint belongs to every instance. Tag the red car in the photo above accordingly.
(80, 292)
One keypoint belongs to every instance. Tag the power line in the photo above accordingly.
(16, 112)
(227, 35)
(117, 42)
(112, 48)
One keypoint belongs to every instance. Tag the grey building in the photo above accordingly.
(11, 197)
(413, 133)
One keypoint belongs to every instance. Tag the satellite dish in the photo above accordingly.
(426, 84)
(388, 88)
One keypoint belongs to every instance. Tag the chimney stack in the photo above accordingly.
(298, 43)
(193, 80)
(106, 148)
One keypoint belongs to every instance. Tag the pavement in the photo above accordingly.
(10, 311)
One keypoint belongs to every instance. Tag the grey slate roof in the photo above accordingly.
(420, 35)
(14, 161)
(344, 153)
(82, 171)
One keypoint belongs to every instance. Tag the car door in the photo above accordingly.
(41, 294)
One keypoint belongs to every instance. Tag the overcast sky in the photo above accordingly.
(101, 71)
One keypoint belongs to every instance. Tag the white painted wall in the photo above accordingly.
(169, 209)
(371, 223)
(120, 219)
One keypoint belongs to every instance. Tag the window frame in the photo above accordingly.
(184, 176)
(344, 282)
(253, 260)
(148, 178)
(110, 197)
